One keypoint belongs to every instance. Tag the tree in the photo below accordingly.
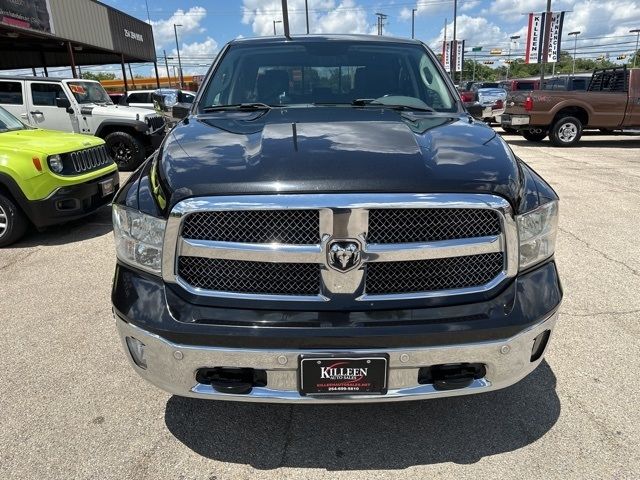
(98, 76)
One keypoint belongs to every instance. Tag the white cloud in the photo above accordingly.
(207, 48)
(190, 22)
(325, 16)
(469, 5)
(425, 8)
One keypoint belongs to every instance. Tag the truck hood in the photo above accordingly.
(46, 142)
(335, 149)
(116, 111)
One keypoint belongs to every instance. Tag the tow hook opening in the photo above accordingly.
(451, 376)
(232, 380)
(539, 345)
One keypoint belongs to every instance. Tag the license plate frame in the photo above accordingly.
(347, 378)
(107, 187)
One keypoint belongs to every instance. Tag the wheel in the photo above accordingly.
(127, 151)
(534, 135)
(566, 132)
(13, 222)
(510, 130)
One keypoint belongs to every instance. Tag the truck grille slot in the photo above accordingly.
(250, 277)
(433, 275)
(156, 122)
(86, 160)
(406, 225)
(298, 227)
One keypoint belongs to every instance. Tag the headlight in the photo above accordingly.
(138, 238)
(55, 163)
(537, 231)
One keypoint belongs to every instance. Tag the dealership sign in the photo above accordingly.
(535, 37)
(28, 14)
(450, 47)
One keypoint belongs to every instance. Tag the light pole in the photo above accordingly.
(306, 12)
(635, 54)
(175, 31)
(512, 39)
(274, 26)
(413, 22)
(575, 46)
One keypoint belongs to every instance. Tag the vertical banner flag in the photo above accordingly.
(555, 35)
(447, 57)
(535, 37)
(459, 55)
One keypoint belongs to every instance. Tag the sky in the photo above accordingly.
(208, 24)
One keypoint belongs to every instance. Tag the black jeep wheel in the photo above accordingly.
(126, 150)
(534, 134)
(13, 222)
(566, 132)
(511, 130)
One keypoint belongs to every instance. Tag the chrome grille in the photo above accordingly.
(298, 227)
(406, 225)
(250, 277)
(385, 278)
(86, 160)
(352, 247)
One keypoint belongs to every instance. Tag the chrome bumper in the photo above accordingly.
(172, 367)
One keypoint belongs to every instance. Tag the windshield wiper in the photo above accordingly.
(365, 102)
(238, 106)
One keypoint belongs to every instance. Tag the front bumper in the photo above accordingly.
(172, 367)
(70, 202)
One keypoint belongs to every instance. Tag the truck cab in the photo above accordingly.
(83, 106)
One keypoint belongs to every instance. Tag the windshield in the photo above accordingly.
(89, 92)
(328, 72)
(9, 123)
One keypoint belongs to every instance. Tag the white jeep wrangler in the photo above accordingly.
(83, 106)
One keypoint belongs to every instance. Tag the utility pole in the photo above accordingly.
(381, 18)
(146, 2)
(512, 39)
(175, 31)
(166, 64)
(413, 22)
(444, 44)
(575, 46)
(545, 44)
(635, 54)
(274, 26)
(285, 18)
(306, 12)
(454, 45)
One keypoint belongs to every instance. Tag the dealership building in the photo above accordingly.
(62, 33)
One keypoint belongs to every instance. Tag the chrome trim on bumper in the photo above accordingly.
(172, 367)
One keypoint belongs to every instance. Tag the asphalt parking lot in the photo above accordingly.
(71, 407)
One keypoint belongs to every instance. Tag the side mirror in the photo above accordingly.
(475, 110)
(180, 110)
(63, 103)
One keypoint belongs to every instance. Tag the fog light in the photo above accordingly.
(136, 349)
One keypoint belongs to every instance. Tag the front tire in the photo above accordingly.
(13, 222)
(566, 132)
(126, 150)
(509, 130)
(534, 135)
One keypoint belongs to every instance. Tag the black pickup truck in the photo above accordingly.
(328, 224)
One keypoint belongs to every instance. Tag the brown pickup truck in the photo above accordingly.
(611, 102)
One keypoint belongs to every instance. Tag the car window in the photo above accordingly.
(8, 122)
(524, 85)
(140, 97)
(11, 93)
(579, 83)
(45, 94)
(336, 72)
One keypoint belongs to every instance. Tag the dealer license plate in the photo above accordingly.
(337, 375)
(107, 187)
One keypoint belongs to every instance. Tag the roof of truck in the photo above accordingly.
(328, 38)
